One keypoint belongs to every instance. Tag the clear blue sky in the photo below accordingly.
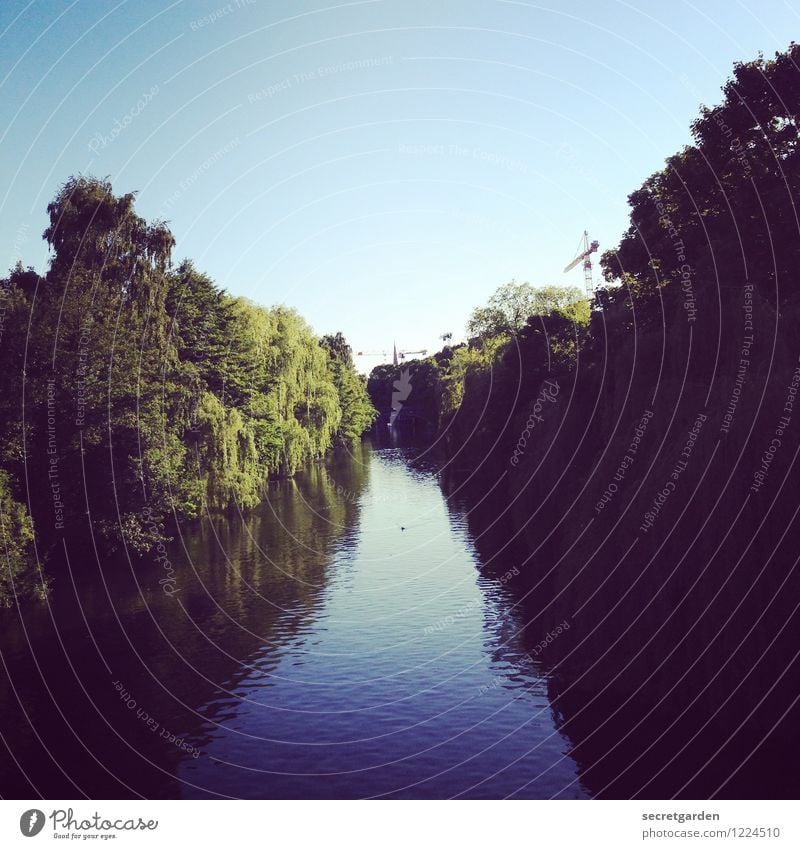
(382, 166)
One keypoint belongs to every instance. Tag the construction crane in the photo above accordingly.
(396, 354)
(585, 257)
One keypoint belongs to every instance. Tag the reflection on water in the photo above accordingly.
(704, 716)
(340, 641)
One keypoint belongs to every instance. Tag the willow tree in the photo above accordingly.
(105, 373)
(307, 399)
(150, 394)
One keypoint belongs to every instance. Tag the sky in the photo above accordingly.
(380, 165)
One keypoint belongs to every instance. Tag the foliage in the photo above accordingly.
(17, 578)
(149, 393)
(723, 209)
(509, 308)
(358, 413)
(464, 366)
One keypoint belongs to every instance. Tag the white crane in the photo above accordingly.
(585, 256)
(396, 354)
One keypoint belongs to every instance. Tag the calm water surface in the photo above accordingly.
(341, 640)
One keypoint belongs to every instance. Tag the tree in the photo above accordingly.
(723, 209)
(337, 347)
(150, 393)
(358, 413)
(103, 371)
(509, 308)
(203, 330)
(18, 578)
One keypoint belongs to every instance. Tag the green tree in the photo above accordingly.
(104, 374)
(509, 308)
(19, 578)
(150, 393)
(358, 412)
(337, 347)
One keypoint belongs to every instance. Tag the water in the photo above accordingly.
(340, 641)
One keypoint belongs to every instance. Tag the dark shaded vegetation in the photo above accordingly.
(642, 469)
(266, 575)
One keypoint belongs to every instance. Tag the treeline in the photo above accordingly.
(713, 242)
(641, 466)
(541, 327)
(134, 393)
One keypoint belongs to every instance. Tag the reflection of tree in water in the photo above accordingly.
(246, 583)
(514, 637)
(692, 697)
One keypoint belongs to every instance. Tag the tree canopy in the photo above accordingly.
(723, 209)
(135, 393)
(509, 308)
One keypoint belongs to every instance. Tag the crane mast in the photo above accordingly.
(585, 256)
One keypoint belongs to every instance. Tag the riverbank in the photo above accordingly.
(654, 520)
(136, 394)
